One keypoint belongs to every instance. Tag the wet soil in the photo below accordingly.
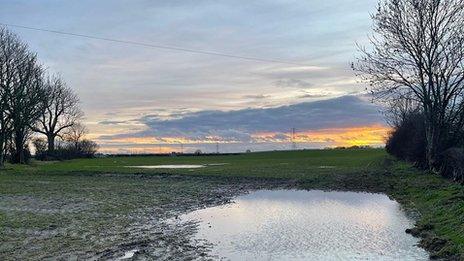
(107, 217)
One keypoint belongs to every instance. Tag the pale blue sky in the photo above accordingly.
(119, 82)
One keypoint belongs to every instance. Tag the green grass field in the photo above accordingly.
(287, 164)
(78, 201)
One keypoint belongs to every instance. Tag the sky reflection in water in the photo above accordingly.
(308, 225)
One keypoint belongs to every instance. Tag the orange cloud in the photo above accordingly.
(373, 135)
(137, 149)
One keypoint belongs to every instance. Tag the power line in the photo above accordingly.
(165, 47)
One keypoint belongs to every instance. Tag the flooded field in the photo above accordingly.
(177, 166)
(308, 225)
(168, 167)
(99, 209)
(107, 216)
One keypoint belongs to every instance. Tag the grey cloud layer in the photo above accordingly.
(346, 111)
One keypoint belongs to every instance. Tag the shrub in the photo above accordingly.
(66, 150)
(13, 154)
(87, 149)
(452, 164)
(407, 140)
(40, 146)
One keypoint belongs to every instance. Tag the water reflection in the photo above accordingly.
(308, 225)
(168, 167)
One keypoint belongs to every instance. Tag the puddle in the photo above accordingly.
(168, 167)
(308, 225)
(128, 254)
(327, 167)
(179, 166)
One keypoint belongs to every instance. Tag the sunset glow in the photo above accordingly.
(373, 135)
(354, 136)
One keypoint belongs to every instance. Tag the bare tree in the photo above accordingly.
(5, 123)
(25, 93)
(5, 78)
(418, 52)
(87, 148)
(75, 134)
(60, 111)
(398, 110)
(25, 105)
(8, 47)
(20, 84)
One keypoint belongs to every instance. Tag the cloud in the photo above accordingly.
(309, 95)
(110, 122)
(294, 83)
(257, 96)
(240, 125)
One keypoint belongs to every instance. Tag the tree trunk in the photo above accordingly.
(51, 142)
(19, 149)
(2, 151)
(430, 149)
(433, 139)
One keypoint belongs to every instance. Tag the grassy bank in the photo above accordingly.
(81, 200)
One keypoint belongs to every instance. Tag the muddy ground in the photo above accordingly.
(50, 210)
(108, 216)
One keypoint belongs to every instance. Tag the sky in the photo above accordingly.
(140, 99)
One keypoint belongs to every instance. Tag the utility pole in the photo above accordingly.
(293, 139)
(217, 147)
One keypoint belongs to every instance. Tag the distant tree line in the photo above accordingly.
(415, 66)
(32, 103)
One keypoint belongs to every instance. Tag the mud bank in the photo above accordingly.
(111, 216)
